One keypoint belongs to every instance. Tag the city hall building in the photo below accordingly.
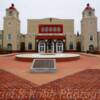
(50, 35)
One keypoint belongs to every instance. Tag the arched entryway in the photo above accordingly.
(50, 46)
(91, 48)
(29, 46)
(71, 46)
(59, 46)
(78, 46)
(41, 46)
(22, 46)
(9, 46)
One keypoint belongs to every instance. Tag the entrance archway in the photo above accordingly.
(91, 48)
(9, 47)
(78, 46)
(22, 46)
(29, 46)
(71, 46)
(50, 46)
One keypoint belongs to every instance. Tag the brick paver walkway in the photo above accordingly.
(22, 69)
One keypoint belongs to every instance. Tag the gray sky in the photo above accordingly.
(67, 9)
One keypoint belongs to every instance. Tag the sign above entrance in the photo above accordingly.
(50, 28)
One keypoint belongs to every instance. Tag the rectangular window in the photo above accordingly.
(57, 28)
(9, 36)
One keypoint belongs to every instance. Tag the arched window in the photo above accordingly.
(71, 46)
(90, 13)
(41, 46)
(59, 46)
(9, 46)
(29, 46)
(91, 38)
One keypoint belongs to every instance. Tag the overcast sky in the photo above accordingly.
(67, 9)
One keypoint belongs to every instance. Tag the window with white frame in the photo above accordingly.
(59, 46)
(41, 46)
